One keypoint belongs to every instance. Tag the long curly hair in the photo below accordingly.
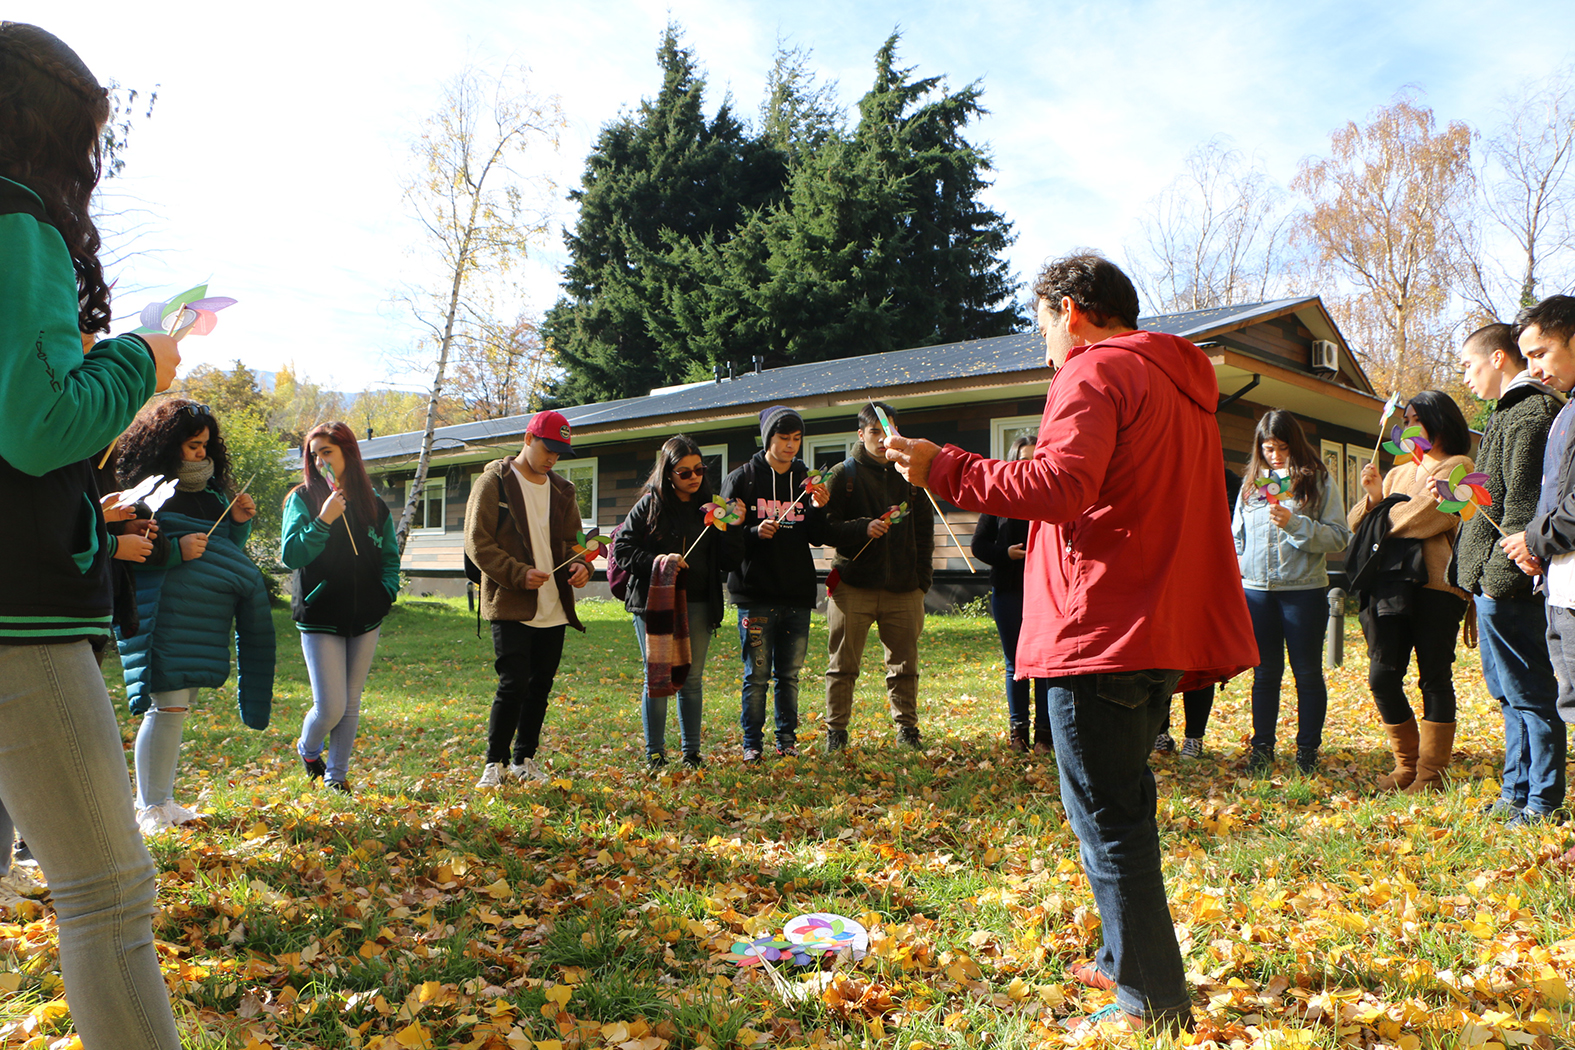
(151, 445)
(353, 481)
(52, 113)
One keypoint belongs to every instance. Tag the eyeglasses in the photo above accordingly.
(685, 473)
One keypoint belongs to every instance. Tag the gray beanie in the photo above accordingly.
(779, 419)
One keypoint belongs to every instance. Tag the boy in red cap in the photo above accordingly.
(520, 524)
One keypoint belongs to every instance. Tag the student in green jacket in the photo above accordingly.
(62, 767)
(339, 538)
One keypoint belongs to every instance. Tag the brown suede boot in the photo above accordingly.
(1437, 742)
(1403, 741)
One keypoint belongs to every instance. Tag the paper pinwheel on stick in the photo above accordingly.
(891, 431)
(1407, 442)
(189, 313)
(1389, 410)
(1463, 493)
(327, 471)
(1274, 486)
(811, 479)
(143, 491)
(587, 547)
(718, 516)
(826, 932)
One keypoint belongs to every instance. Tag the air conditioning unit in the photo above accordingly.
(1325, 356)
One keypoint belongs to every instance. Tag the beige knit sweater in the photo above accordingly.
(1420, 518)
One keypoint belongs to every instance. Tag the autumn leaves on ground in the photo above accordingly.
(598, 910)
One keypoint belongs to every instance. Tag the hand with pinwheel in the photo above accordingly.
(1273, 487)
(1407, 442)
(1462, 493)
(586, 549)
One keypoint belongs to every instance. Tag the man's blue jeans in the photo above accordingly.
(774, 640)
(1518, 674)
(1104, 727)
(1294, 622)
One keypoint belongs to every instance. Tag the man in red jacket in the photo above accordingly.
(1131, 591)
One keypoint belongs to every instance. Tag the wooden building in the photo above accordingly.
(979, 395)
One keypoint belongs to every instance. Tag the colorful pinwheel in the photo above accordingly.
(897, 513)
(771, 950)
(813, 478)
(1273, 486)
(590, 546)
(327, 470)
(196, 309)
(719, 516)
(1462, 493)
(829, 933)
(1407, 442)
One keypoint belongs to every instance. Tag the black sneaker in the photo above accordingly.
(908, 736)
(1307, 760)
(1018, 739)
(339, 786)
(836, 740)
(1501, 809)
(655, 762)
(787, 750)
(693, 761)
(1164, 744)
(315, 767)
(1261, 760)
(751, 755)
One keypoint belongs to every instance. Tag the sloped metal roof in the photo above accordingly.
(1000, 355)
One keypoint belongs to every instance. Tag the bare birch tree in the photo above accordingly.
(1217, 235)
(1528, 191)
(468, 194)
(1384, 208)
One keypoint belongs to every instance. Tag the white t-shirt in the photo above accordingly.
(538, 519)
(1560, 583)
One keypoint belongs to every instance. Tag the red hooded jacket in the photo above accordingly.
(1131, 564)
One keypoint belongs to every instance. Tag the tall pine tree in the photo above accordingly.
(657, 183)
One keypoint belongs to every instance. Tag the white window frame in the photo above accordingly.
(441, 482)
(596, 484)
(817, 445)
(707, 451)
(999, 427)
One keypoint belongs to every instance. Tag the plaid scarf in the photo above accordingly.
(666, 629)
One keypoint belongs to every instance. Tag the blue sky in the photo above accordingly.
(273, 161)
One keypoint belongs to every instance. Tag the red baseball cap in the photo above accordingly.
(553, 430)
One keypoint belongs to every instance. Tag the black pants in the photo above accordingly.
(1430, 629)
(1197, 705)
(527, 663)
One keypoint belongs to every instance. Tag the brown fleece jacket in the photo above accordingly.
(1420, 518)
(500, 546)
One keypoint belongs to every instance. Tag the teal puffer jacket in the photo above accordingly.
(186, 612)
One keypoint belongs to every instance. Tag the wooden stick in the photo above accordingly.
(231, 507)
(574, 557)
(866, 547)
(948, 525)
(696, 543)
(353, 549)
(779, 519)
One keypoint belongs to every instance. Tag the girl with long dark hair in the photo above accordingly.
(666, 532)
(339, 538)
(62, 767)
(1424, 618)
(1282, 545)
(187, 602)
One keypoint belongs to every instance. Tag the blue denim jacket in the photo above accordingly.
(1292, 558)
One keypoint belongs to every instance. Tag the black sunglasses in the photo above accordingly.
(685, 473)
(195, 409)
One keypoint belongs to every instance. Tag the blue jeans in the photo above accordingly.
(691, 696)
(1518, 674)
(1104, 727)
(774, 640)
(63, 779)
(1007, 608)
(1291, 622)
(338, 667)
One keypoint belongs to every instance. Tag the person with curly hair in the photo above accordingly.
(339, 538)
(187, 601)
(62, 767)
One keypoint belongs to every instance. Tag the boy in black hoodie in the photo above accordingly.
(774, 587)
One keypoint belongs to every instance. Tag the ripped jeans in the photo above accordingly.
(157, 749)
(774, 640)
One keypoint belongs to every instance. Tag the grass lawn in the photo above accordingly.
(599, 910)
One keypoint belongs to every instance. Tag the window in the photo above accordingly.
(715, 457)
(429, 507)
(581, 471)
(825, 453)
(1007, 430)
(1334, 458)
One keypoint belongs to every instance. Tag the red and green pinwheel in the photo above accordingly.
(897, 513)
(1274, 486)
(720, 515)
(1462, 493)
(1407, 442)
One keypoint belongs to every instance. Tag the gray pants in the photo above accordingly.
(63, 779)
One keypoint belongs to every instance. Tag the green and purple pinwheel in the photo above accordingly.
(1462, 493)
(1273, 486)
(1407, 442)
(195, 307)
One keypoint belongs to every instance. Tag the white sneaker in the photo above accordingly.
(528, 770)
(179, 814)
(1192, 747)
(153, 819)
(491, 776)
